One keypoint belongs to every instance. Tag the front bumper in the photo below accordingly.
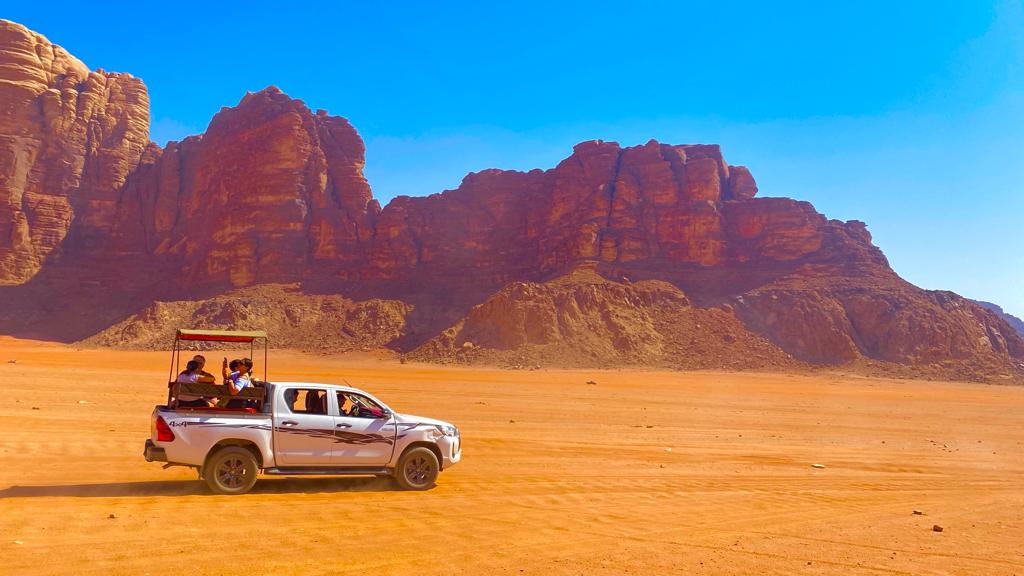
(154, 453)
(451, 450)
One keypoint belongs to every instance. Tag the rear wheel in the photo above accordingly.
(417, 469)
(231, 470)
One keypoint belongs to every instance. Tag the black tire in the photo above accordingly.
(417, 469)
(231, 470)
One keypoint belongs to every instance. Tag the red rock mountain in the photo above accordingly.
(97, 223)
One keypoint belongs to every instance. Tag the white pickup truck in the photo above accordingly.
(303, 429)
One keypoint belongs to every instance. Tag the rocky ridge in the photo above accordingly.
(616, 255)
(1014, 322)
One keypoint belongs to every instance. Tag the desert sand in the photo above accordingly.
(640, 473)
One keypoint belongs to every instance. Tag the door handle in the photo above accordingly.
(343, 425)
(289, 423)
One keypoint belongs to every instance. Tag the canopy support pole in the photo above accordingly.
(170, 377)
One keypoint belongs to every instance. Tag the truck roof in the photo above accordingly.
(339, 386)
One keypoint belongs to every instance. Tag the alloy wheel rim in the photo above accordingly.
(417, 470)
(232, 473)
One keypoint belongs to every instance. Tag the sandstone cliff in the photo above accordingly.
(69, 138)
(1014, 322)
(685, 264)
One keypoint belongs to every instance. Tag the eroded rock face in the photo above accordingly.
(900, 324)
(69, 138)
(271, 192)
(604, 203)
(96, 218)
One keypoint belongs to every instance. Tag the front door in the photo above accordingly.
(303, 428)
(365, 432)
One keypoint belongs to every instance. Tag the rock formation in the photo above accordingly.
(97, 220)
(1014, 322)
(69, 138)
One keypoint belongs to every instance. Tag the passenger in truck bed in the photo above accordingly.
(202, 364)
(193, 373)
(236, 377)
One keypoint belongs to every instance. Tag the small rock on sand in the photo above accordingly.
(918, 513)
(937, 528)
(817, 465)
(668, 449)
(18, 542)
(591, 382)
(111, 516)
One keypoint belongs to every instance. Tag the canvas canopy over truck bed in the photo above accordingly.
(175, 389)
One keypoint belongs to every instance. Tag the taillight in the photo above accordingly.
(163, 431)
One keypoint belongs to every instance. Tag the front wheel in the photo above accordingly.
(417, 469)
(232, 470)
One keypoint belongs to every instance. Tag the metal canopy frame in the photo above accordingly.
(192, 335)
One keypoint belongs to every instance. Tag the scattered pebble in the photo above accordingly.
(591, 382)
(937, 528)
(668, 449)
(35, 407)
(112, 516)
(12, 361)
(18, 542)
(918, 513)
(817, 465)
(511, 421)
(83, 401)
(661, 465)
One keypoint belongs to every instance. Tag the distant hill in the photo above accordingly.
(1012, 320)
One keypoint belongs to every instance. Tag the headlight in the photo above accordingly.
(448, 430)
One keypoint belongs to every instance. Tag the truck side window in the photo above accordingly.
(306, 401)
(358, 406)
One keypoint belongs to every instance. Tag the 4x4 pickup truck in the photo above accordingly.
(303, 429)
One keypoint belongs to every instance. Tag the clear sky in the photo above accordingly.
(907, 115)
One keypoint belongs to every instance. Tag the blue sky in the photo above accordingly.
(907, 115)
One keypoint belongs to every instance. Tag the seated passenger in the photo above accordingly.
(246, 364)
(236, 376)
(290, 396)
(316, 402)
(193, 373)
(236, 379)
(202, 364)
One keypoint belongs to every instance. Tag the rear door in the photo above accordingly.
(365, 431)
(303, 427)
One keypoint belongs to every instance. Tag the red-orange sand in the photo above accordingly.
(642, 473)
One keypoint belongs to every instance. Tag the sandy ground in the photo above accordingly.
(642, 473)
